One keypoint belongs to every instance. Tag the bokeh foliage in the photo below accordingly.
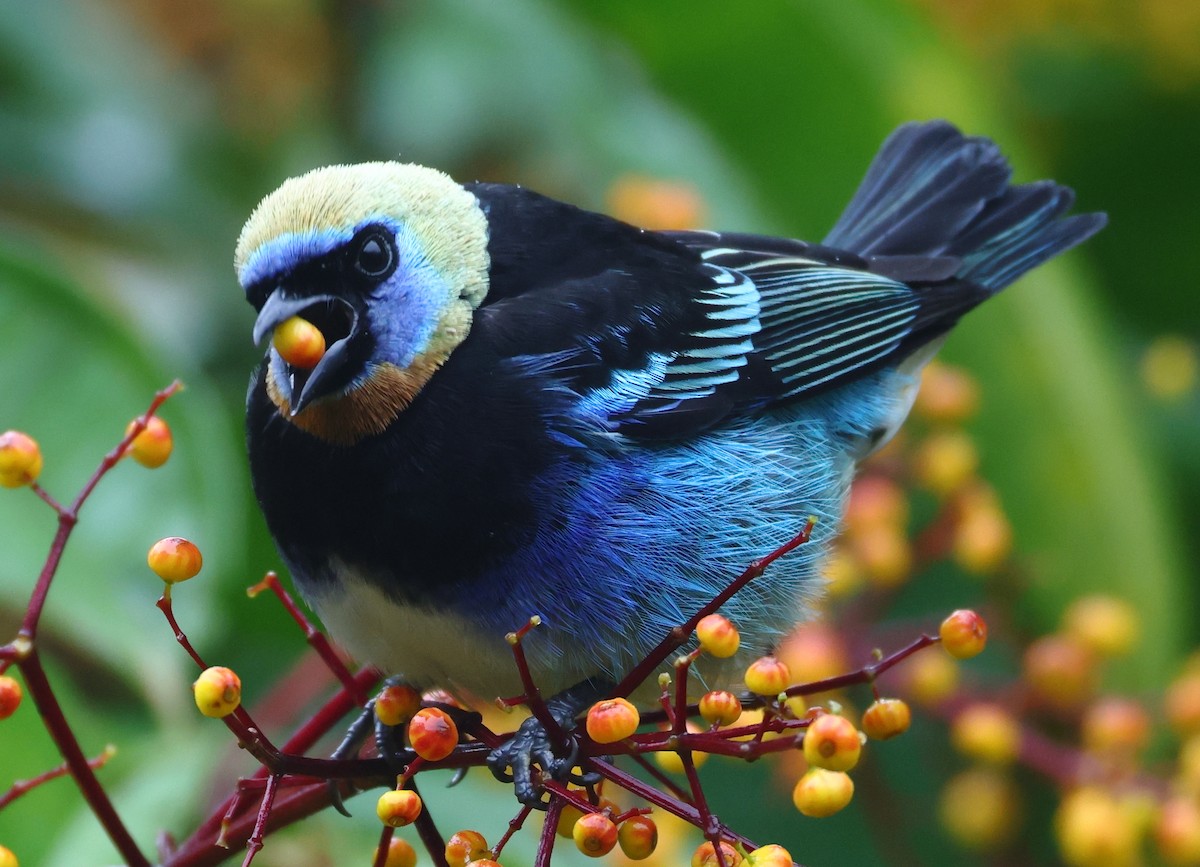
(135, 136)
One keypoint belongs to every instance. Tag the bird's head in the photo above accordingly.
(389, 261)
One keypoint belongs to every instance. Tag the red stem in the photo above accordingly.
(23, 787)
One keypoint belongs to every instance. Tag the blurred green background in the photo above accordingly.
(136, 135)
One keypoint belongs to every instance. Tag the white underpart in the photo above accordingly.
(906, 382)
(426, 647)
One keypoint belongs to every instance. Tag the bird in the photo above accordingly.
(528, 408)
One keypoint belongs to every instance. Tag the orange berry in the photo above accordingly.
(1060, 670)
(484, 862)
(884, 553)
(466, 846)
(931, 677)
(397, 704)
(595, 834)
(638, 836)
(174, 559)
(821, 793)
(706, 855)
(1182, 704)
(299, 342)
(1093, 829)
(1115, 725)
(945, 461)
(1105, 625)
(612, 720)
(217, 691)
(767, 675)
(400, 854)
(432, 734)
(948, 395)
(986, 732)
(153, 445)
(875, 500)
(963, 634)
(20, 459)
(10, 696)
(832, 742)
(771, 855)
(398, 807)
(7, 858)
(720, 707)
(1177, 831)
(813, 651)
(655, 204)
(981, 808)
(718, 636)
(886, 718)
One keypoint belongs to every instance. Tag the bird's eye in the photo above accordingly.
(374, 255)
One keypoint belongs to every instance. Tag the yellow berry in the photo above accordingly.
(983, 536)
(821, 793)
(986, 732)
(981, 808)
(932, 677)
(299, 342)
(772, 855)
(638, 836)
(1061, 671)
(595, 834)
(1169, 367)
(10, 696)
(432, 734)
(945, 461)
(832, 742)
(1093, 830)
(612, 720)
(706, 855)
(718, 636)
(400, 854)
(1106, 625)
(484, 862)
(875, 500)
(464, 847)
(398, 807)
(963, 634)
(814, 651)
(1182, 704)
(720, 707)
(843, 574)
(20, 459)
(767, 675)
(174, 559)
(153, 445)
(217, 691)
(397, 704)
(886, 718)
(670, 761)
(7, 858)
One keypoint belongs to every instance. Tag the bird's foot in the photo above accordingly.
(533, 753)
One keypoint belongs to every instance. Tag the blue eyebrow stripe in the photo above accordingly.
(283, 253)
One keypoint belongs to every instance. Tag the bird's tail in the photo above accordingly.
(933, 192)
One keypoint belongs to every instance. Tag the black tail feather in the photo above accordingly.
(931, 191)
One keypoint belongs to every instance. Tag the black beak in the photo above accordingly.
(338, 321)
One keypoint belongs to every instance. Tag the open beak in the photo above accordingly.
(338, 321)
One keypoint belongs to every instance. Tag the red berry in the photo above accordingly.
(10, 696)
(464, 847)
(706, 855)
(595, 834)
(638, 836)
(397, 704)
(432, 734)
(963, 634)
